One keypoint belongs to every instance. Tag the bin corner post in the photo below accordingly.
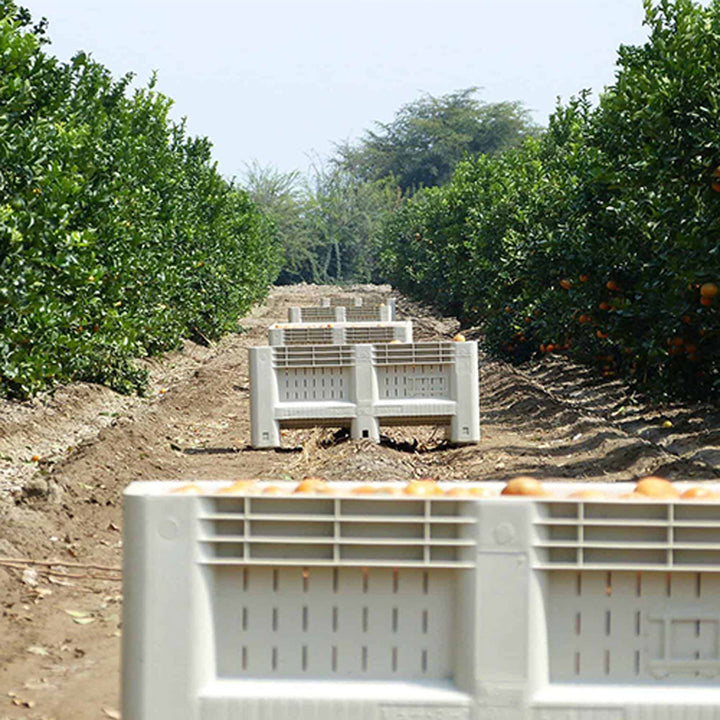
(502, 639)
(392, 308)
(340, 313)
(365, 424)
(276, 336)
(294, 315)
(465, 425)
(161, 638)
(264, 428)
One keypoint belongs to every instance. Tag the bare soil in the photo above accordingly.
(65, 459)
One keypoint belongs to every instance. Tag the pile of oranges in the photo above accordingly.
(650, 487)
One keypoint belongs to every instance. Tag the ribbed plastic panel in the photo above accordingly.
(231, 611)
(336, 531)
(371, 334)
(632, 535)
(340, 333)
(342, 313)
(312, 356)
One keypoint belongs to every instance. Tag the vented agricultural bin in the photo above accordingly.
(343, 313)
(364, 387)
(347, 607)
(340, 333)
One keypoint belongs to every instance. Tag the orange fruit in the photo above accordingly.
(459, 338)
(273, 490)
(583, 278)
(475, 491)
(709, 290)
(657, 487)
(588, 494)
(365, 490)
(706, 301)
(612, 286)
(584, 319)
(310, 484)
(187, 490)
(565, 284)
(604, 305)
(390, 490)
(424, 487)
(239, 486)
(700, 493)
(601, 335)
(524, 485)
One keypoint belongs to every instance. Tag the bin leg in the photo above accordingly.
(365, 428)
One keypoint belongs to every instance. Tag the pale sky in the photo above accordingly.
(281, 82)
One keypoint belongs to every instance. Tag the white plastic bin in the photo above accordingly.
(342, 313)
(340, 333)
(348, 607)
(364, 387)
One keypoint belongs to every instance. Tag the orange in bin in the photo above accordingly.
(525, 485)
(424, 487)
(656, 487)
(239, 486)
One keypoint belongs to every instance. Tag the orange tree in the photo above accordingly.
(601, 239)
(118, 237)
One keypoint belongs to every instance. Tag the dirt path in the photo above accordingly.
(64, 462)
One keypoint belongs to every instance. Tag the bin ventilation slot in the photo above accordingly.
(340, 531)
(427, 353)
(625, 535)
(311, 385)
(307, 629)
(311, 356)
(370, 334)
(308, 336)
(601, 629)
(414, 381)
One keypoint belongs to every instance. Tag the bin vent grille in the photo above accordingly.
(378, 532)
(368, 313)
(628, 534)
(371, 334)
(310, 356)
(626, 627)
(307, 336)
(415, 354)
(375, 623)
(317, 314)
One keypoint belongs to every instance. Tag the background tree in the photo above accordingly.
(427, 139)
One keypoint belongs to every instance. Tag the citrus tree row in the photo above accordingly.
(601, 238)
(118, 237)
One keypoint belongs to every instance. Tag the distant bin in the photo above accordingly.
(363, 387)
(340, 333)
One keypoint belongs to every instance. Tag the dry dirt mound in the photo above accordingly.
(60, 622)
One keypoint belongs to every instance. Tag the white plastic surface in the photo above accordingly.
(343, 313)
(340, 333)
(230, 610)
(364, 387)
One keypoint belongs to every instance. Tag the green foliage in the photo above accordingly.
(327, 223)
(118, 237)
(595, 239)
(427, 139)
